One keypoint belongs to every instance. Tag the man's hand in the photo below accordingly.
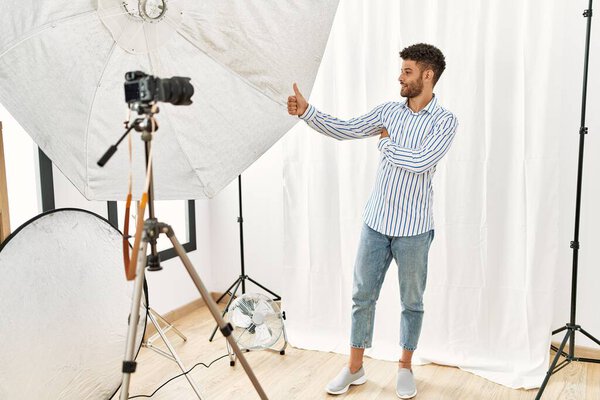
(384, 134)
(297, 104)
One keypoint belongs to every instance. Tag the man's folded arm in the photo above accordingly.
(434, 147)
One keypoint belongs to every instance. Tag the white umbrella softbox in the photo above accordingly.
(62, 66)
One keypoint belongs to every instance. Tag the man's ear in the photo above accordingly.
(429, 74)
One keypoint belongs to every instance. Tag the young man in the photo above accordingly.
(398, 222)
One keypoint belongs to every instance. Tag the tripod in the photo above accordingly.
(151, 230)
(241, 280)
(571, 327)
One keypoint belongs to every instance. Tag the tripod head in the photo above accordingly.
(146, 124)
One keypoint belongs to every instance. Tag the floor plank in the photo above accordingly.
(302, 374)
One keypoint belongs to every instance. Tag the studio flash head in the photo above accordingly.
(146, 89)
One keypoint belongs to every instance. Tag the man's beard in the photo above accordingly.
(412, 90)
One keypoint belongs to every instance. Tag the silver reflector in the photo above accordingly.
(64, 308)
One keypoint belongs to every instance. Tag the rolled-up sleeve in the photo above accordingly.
(434, 146)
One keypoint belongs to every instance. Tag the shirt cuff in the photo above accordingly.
(308, 113)
(383, 143)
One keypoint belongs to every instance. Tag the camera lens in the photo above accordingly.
(178, 91)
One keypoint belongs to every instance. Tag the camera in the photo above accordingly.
(147, 89)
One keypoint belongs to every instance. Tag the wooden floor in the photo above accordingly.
(302, 375)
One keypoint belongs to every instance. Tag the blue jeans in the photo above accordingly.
(375, 253)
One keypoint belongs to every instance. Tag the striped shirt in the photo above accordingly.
(401, 203)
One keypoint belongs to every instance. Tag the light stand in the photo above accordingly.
(571, 327)
(241, 280)
(151, 231)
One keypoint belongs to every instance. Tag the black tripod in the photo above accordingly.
(571, 327)
(241, 280)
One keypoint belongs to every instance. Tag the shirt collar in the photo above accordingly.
(430, 107)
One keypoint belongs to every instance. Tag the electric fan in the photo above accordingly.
(257, 324)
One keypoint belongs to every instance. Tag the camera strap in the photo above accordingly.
(130, 268)
(126, 244)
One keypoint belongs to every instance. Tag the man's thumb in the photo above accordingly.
(296, 91)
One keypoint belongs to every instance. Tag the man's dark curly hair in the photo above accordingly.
(428, 56)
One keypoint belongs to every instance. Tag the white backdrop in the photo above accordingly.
(514, 81)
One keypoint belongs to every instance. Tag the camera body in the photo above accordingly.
(146, 89)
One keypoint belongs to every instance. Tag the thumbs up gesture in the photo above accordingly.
(297, 104)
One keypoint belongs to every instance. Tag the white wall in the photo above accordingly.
(21, 171)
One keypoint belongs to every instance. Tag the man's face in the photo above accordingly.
(411, 79)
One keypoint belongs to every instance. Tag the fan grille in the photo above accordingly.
(256, 320)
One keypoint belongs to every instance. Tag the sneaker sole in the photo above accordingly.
(404, 396)
(359, 381)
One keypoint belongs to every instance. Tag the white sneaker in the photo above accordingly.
(405, 384)
(344, 379)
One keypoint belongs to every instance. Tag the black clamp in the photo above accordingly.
(588, 13)
(129, 367)
(583, 130)
(575, 245)
(240, 219)
(226, 330)
(574, 327)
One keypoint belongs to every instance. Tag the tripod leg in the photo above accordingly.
(129, 364)
(552, 366)
(212, 306)
(277, 297)
(226, 307)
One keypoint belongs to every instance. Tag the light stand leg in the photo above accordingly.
(275, 295)
(174, 355)
(226, 329)
(590, 336)
(553, 365)
(129, 363)
(228, 291)
(239, 281)
(168, 326)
